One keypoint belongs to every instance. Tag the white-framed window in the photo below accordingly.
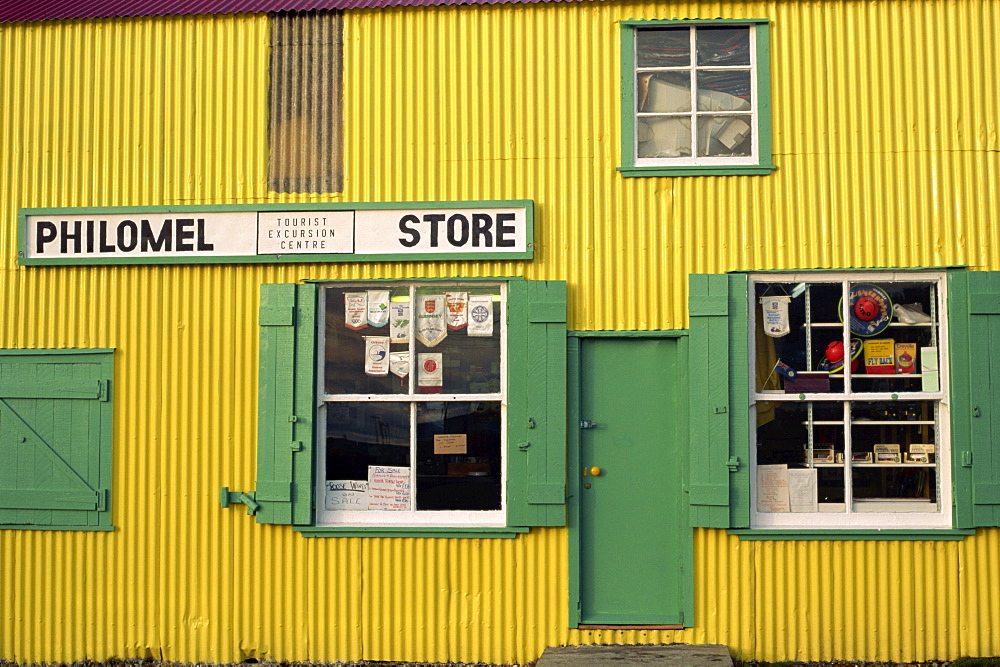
(412, 404)
(850, 405)
(696, 95)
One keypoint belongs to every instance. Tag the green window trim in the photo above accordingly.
(536, 412)
(56, 422)
(944, 534)
(764, 166)
(719, 483)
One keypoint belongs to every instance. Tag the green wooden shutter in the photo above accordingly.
(286, 404)
(55, 438)
(719, 400)
(973, 338)
(536, 413)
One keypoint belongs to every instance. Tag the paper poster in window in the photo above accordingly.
(388, 488)
(431, 327)
(346, 494)
(378, 307)
(356, 310)
(458, 309)
(399, 363)
(377, 355)
(399, 322)
(772, 489)
(430, 372)
(480, 315)
(802, 493)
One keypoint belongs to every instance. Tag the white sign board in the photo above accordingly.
(341, 232)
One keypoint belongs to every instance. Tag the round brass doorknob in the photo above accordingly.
(595, 471)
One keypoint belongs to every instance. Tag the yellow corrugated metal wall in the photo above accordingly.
(885, 134)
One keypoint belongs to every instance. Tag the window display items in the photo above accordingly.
(356, 310)
(480, 315)
(906, 355)
(377, 355)
(431, 327)
(775, 311)
(378, 308)
(399, 322)
(869, 310)
(880, 356)
(430, 376)
(833, 356)
(458, 309)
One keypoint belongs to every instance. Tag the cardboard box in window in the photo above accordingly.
(880, 356)
(906, 357)
(808, 382)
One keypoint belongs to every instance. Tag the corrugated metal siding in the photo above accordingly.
(495, 102)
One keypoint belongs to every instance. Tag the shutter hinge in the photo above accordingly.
(102, 500)
(523, 446)
(531, 423)
(104, 390)
(227, 498)
(733, 463)
(722, 409)
(297, 446)
(967, 459)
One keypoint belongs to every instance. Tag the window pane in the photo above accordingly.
(666, 92)
(458, 358)
(664, 137)
(361, 437)
(723, 46)
(663, 47)
(359, 348)
(461, 471)
(724, 91)
(724, 135)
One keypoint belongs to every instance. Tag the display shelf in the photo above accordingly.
(892, 325)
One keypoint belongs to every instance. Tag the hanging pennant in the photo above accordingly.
(775, 310)
(458, 309)
(356, 310)
(378, 307)
(399, 364)
(480, 315)
(430, 374)
(431, 327)
(399, 322)
(377, 355)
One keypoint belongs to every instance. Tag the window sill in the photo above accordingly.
(928, 534)
(638, 172)
(407, 531)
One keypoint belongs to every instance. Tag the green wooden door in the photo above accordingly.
(635, 546)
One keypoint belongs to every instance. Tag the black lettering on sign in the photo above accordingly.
(156, 242)
(482, 226)
(102, 243)
(503, 230)
(185, 234)
(462, 223)
(414, 234)
(45, 232)
(202, 245)
(66, 236)
(434, 219)
(129, 244)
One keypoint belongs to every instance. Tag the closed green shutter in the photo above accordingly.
(719, 401)
(286, 404)
(55, 438)
(974, 338)
(536, 414)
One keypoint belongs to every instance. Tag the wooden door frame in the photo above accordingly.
(573, 466)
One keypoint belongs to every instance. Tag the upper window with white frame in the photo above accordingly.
(850, 397)
(696, 98)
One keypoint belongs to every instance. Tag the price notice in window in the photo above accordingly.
(275, 233)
